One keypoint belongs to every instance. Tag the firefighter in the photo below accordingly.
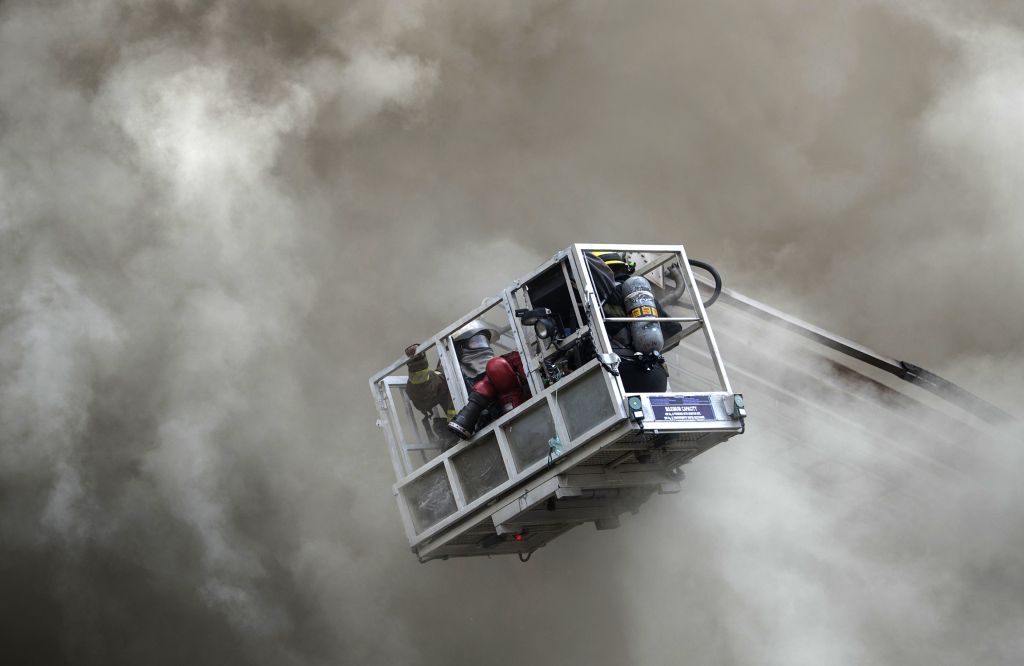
(496, 384)
(428, 389)
(638, 344)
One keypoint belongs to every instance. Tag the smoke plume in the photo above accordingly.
(218, 218)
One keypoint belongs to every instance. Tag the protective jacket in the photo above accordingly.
(639, 372)
(428, 388)
(501, 388)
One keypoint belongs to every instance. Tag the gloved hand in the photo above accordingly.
(417, 360)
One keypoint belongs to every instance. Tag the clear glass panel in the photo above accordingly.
(409, 419)
(430, 498)
(497, 320)
(529, 435)
(480, 468)
(418, 408)
(585, 403)
(689, 367)
(662, 270)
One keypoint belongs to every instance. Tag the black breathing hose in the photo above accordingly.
(677, 274)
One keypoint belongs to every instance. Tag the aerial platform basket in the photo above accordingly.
(582, 448)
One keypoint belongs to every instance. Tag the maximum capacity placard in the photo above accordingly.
(682, 408)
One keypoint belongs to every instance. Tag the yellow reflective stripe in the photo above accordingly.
(600, 255)
(420, 376)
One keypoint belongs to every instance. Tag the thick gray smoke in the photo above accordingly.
(218, 218)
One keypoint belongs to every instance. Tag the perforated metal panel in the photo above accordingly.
(480, 468)
(585, 403)
(430, 498)
(528, 436)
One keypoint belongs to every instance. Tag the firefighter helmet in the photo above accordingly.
(616, 261)
(475, 334)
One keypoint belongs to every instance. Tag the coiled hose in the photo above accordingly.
(676, 274)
